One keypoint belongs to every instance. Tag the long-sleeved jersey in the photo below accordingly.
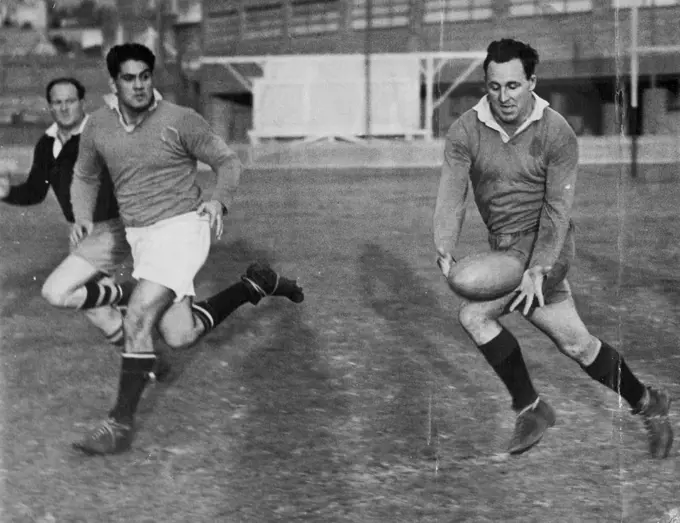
(522, 183)
(53, 167)
(153, 165)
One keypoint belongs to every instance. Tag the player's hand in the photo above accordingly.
(530, 289)
(213, 209)
(445, 261)
(79, 231)
(5, 185)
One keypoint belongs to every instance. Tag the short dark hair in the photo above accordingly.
(64, 80)
(120, 54)
(506, 49)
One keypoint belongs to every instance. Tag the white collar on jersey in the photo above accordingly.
(53, 132)
(483, 109)
(111, 100)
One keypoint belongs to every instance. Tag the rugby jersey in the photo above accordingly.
(520, 183)
(153, 165)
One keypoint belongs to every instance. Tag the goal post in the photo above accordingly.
(635, 51)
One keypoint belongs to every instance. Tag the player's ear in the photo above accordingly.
(532, 82)
(112, 86)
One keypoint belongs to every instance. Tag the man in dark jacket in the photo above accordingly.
(84, 279)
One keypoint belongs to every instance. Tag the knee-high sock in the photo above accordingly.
(134, 376)
(610, 369)
(504, 355)
(214, 310)
(106, 292)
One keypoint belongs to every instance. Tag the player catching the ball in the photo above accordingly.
(520, 157)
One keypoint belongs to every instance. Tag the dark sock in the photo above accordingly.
(134, 376)
(104, 293)
(214, 310)
(504, 355)
(610, 369)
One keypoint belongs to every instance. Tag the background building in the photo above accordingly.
(583, 43)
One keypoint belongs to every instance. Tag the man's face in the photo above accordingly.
(510, 91)
(65, 106)
(134, 86)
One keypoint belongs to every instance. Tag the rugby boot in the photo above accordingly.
(530, 425)
(109, 437)
(654, 408)
(265, 281)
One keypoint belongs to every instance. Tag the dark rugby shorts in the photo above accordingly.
(521, 244)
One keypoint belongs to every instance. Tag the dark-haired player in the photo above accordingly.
(520, 157)
(151, 147)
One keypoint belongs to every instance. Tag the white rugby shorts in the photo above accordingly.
(171, 251)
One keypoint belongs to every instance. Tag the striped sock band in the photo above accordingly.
(100, 294)
(204, 316)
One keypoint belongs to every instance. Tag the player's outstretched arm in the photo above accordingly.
(449, 211)
(35, 188)
(204, 144)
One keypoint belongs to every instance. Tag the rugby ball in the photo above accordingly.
(486, 276)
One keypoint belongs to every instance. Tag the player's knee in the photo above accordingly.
(177, 339)
(54, 293)
(580, 348)
(471, 318)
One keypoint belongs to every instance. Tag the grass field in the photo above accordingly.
(367, 403)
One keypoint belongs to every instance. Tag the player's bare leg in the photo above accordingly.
(562, 323)
(77, 284)
(501, 350)
(147, 304)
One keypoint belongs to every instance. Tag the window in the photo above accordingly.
(437, 11)
(548, 7)
(264, 20)
(385, 13)
(224, 24)
(314, 16)
(188, 10)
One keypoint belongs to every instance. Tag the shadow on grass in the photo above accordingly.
(419, 408)
(292, 460)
